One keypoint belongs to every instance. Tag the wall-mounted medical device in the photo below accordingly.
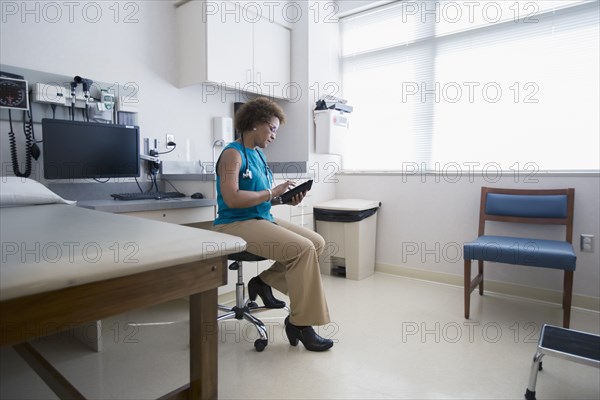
(222, 130)
(331, 130)
(14, 93)
(49, 94)
(107, 101)
(85, 83)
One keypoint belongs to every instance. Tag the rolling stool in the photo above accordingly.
(244, 308)
(580, 347)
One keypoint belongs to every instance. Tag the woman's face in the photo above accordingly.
(266, 132)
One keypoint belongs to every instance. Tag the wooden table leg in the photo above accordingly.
(50, 375)
(203, 345)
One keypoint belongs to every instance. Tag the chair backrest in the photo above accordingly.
(543, 206)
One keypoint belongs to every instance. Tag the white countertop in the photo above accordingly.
(50, 247)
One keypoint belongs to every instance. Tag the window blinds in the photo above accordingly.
(476, 85)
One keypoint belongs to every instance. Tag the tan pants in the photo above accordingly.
(296, 273)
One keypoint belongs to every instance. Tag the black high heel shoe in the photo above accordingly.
(257, 287)
(307, 335)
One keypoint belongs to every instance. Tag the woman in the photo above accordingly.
(245, 195)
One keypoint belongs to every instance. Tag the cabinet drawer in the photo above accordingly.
(301, 209)
(305, 220)
(281, 212)
(178, 216)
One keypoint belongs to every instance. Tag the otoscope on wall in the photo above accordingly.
(86, 84)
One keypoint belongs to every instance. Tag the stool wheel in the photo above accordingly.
(260, 344)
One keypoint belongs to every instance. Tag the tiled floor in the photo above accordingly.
(396, 338)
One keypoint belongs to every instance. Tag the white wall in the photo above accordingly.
(324, 79)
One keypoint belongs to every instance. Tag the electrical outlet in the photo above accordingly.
(586, 243)
(170, 138)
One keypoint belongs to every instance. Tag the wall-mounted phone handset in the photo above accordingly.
(15, 96)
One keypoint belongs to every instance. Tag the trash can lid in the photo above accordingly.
(348, 204)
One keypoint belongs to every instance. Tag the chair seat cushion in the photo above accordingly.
(522, 251)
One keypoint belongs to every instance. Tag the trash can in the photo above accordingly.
(349, 227)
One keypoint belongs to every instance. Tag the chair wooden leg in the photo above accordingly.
(467, 284)
(471, 284)
(564, 293)
(480, 262)
(567, 296)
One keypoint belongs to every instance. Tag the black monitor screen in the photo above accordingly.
(85, 150)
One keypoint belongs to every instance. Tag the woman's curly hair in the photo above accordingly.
(257, 111)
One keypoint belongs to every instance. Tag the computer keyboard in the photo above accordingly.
(147, 196)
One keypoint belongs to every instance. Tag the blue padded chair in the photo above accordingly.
(526, 207)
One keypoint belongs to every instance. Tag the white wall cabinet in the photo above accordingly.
(232, 47)
(272, 57)
(229, 51)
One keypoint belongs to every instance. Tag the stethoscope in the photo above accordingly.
(248, 174)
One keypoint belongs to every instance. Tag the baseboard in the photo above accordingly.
(509, 289)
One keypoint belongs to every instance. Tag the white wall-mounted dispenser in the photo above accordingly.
(331, 130)
(222, 130)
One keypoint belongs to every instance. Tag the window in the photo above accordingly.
(473, 84)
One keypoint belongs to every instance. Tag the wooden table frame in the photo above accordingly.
(28, 317)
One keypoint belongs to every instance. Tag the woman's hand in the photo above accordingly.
(282, 188)
(297, 199)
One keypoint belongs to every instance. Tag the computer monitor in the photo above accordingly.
(89, 150)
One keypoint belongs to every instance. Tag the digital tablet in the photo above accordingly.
(287, 196)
